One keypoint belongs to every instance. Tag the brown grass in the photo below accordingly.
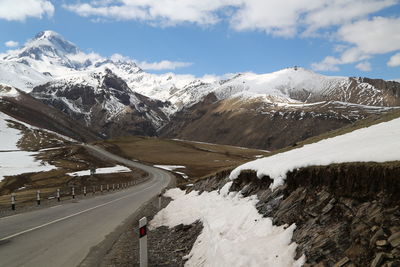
(200, 159)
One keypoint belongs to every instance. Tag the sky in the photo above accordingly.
(332, 37)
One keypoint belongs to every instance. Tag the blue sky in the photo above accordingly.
(335, 37)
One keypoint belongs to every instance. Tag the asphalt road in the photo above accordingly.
(63, 235)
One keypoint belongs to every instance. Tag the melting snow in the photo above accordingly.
(234, 233)
(377, 143)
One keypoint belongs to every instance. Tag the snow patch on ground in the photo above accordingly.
(18, 162)
(8, 136)
(377, 143)
(234, 233)
(173, 168)
(115, 169)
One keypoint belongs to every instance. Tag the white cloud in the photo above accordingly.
(22, 9)
(11, 43)
(394, 61)
(281, 18)
(364, 66)
(162, 65)
(376, 36)
(364, 39)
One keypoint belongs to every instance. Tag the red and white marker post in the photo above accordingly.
(143, 242)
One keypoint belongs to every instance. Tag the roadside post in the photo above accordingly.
(84, 191)
(117, 186)
(58, 195)
(159, 201)
(13, 201)
(113, 187)
(108, 187)
(101, 188)
(38, 197)
(73, 192)
(94, 189)
(143, 242)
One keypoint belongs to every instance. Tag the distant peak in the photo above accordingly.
(47, 35)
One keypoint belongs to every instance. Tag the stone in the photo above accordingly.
(394, 229)
(342, 262)
(382, 243)
(327, 208)
(378, 234)
(378, 259)
(394, 239)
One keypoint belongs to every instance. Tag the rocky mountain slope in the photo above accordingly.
(116, 98)
(27, 109)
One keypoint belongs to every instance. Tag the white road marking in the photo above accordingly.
(72, 215)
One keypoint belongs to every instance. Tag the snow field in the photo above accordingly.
(377, 143)
(234, 233)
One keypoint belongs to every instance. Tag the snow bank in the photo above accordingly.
(115, 169)
(234, 233)
(377, 143)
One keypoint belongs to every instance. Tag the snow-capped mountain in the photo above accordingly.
(115, 97)
(103, 101)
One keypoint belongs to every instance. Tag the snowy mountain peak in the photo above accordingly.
(54, 40)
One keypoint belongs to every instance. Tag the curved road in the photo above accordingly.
(63, 235)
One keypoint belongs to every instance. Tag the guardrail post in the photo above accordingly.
(73, 192)
(38, 197)
(58, 195)
(84, 190)
(143, 242)
(13, 201)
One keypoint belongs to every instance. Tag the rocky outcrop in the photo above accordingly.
(346, 214)
(28, 109)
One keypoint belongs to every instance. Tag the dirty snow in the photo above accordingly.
(377, 143)
(115, 169)
(234, 233)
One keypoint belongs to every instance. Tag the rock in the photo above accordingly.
(378, 234)
(394, 239)
(342, 262)
(382, 243)
(327, 208)
(378, 259)
(394, 229)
